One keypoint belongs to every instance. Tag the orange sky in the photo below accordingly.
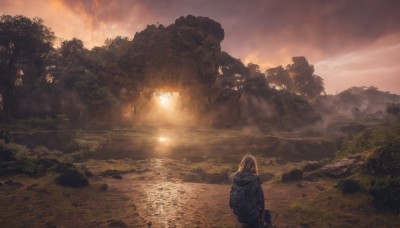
(350, 43)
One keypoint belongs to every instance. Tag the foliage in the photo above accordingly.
(21, 162)
(385, 159)
(232, 72)
(386, 194)
(371, 138)
(393, 109)
(348, 186)
(297, 78)
(25, 45)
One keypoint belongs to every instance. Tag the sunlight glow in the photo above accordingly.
(162, 139)
(165, 100)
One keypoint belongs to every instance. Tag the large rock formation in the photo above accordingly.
(183, 56)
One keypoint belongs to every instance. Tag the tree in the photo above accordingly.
(278, 78)
(305, 82)
(232, 72)
(81, 90)
(24, 43)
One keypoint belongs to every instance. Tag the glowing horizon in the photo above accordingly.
(344, 56)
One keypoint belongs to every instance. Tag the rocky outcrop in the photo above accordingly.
(72, 178)
(343, 168)
(183, 57)
(311, 165)
(226, 108)
(293, 175)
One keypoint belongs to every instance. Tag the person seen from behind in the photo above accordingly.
(246, 195)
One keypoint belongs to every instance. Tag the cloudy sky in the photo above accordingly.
(350, 42)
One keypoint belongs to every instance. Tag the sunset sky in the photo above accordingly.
(350, 42)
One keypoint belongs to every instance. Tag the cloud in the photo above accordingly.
(375, 65)
(266, 32)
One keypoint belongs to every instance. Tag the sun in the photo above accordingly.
(164, 100)
(162, 139)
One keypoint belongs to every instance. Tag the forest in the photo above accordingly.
(168, 112)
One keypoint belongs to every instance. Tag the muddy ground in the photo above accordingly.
(152, 188)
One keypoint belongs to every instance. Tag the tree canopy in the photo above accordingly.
(25, 45)
(297, 78)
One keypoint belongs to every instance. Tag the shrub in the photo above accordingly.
(371, 138)
(386, 194)
(15, 159)
(349, 186)
(73, 178)
(385, 159)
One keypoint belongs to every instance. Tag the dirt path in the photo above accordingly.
(154, 195)
(163, 201)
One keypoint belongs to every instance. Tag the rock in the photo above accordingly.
(31, 187)
(73, 178)
(217, 178)
(312, 176)
(293, 175)
(311, 165)
(117, 176)
(188, 51)
(62, 166)
(300, 185)
(341, 168)
(149, 223)
(88, 173)
(264, 177)
(321, 188)
(116, 223)
(104, 187)
(12, 183)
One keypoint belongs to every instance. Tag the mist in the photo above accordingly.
(148, 131)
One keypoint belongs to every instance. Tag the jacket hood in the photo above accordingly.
(243, 178)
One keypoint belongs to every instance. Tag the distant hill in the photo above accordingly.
(359, 103)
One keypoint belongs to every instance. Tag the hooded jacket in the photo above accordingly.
(246, 197)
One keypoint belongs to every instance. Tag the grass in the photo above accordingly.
(211, 151)
(49, 203)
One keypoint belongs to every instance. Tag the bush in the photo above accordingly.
(15, 159)
(73, 178)
(386, 194)
(371, 138)
(385, 159)
(349, 186)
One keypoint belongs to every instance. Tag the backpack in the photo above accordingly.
(243, 205)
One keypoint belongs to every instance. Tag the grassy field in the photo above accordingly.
(177, 177)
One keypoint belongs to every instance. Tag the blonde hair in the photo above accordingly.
(248, 164)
